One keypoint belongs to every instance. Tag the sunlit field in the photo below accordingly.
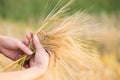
(108, 48)
(108, 45)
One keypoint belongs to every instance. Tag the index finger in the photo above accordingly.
(24, 48)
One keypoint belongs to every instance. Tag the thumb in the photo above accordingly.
(38, 46)
(41, 55)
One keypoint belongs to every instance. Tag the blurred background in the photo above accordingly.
(25, 10)
(18, 17)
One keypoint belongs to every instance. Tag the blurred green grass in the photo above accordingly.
(24, 10)
(32, 10)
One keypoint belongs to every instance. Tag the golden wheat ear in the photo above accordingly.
(68, 41)
(53, 16)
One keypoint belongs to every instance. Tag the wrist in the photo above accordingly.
(34, 72)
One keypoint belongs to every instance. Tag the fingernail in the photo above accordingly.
(31, 52)
(29, 35)
(35, 37)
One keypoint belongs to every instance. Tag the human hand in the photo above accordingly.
(13, 48)
(41, 58)
(38, 64)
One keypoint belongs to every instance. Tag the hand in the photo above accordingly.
(13, 48)
(38, 64)
(41, 58)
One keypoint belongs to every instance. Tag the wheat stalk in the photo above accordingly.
(68, 41)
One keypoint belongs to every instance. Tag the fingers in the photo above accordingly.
(26, 64)
(25, 42)
(29, 36)
(27, 39)
(41, 56)
(38, 46)
(24, 48)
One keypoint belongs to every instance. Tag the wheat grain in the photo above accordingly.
(68, 41)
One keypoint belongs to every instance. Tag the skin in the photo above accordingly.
(13, 49)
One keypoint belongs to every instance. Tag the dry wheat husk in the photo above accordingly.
(70, 41)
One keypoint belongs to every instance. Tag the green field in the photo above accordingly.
(18, 17)
(24, 10)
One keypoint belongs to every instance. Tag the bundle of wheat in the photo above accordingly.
(70, 42)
